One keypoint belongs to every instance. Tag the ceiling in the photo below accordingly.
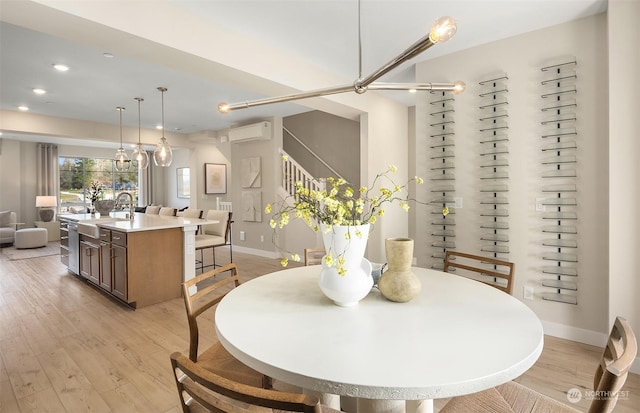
(324, 33)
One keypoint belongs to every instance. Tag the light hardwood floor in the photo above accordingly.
(66, 347)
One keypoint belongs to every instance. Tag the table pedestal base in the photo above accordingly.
(357, 405)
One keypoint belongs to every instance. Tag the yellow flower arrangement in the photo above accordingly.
(338, 204)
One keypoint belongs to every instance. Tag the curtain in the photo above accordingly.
(145, 183)
(47, 172)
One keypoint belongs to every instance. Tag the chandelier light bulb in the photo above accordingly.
(443, 29)
(139, 154)
(223, 107)
(458, 87)
(163, 155)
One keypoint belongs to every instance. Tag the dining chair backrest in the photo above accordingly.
(495, 272)
(222, 228)
(152, 209)
(208, 294)
(168, 211)
(205, 389)
(190, 213)
(617, 358)
(313, 256)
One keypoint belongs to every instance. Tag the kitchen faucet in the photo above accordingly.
(131, 205)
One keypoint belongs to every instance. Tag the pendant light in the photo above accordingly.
(122, 159)
(163, 155)
(139, 154)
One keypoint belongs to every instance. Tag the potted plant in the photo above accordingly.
(344, 215)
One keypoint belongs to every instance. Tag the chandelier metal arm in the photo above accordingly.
(224, 107)
(444, 87)
(409, 53)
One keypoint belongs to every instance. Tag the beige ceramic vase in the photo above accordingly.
(399, 283)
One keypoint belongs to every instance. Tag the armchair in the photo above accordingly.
(8, 222)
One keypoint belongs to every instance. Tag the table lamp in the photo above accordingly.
(45, 203)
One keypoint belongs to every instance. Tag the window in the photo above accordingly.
(77, 174)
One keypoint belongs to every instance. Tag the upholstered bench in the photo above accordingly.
(31, 238)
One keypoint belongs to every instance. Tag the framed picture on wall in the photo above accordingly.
(215, 178)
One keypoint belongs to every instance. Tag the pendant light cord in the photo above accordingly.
(359, 41)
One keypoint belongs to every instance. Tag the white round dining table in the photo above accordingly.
(459, 336)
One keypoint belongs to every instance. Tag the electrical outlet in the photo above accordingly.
(528, 292)
(242, 235)
(540, 205)
(261, 238)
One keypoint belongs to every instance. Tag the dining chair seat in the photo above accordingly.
(206, 240)
(512, 397)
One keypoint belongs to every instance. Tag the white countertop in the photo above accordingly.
(141, 222)
(458, 337)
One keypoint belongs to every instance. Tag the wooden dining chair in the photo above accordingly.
(489, 270)
(610, 376)
(200, 294)
(214, 236)
(201, 390)
(313, 256)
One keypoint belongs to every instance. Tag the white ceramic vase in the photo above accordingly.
(348, 289)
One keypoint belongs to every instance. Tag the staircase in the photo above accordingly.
(293, 172)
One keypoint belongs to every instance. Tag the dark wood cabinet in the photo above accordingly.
(90, 261)
(106, 256)
(113, 259)
(119, 271)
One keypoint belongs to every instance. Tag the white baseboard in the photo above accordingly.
(580, 335)
(253, 251)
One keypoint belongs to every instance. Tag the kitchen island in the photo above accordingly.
(139, 262)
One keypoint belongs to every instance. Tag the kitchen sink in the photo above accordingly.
(90, 228)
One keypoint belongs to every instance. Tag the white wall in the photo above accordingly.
(624, 169)
(521, 58)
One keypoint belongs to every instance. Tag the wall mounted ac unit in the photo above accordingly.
(254, 132)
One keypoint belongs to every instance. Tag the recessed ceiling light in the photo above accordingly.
(39, 91)
(60, 67)
(107, 55)
(159, 127)
(412, 91)
(23, 108)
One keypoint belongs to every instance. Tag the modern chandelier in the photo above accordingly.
(442, 30)
(122, 159)
(163, 155)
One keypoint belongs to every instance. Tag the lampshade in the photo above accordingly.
(139, 154)
(163, 155)
(46, 201)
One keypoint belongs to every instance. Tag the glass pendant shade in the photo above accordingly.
(163, 155)
(139, 154)
(122, 159)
